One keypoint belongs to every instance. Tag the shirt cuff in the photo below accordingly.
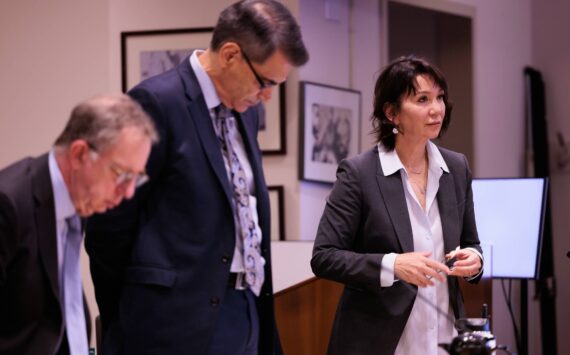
(480, 270)
(387, 270)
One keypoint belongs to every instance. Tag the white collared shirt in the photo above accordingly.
(212, 101)
(426, 327)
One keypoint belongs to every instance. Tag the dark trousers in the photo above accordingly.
(237, 331)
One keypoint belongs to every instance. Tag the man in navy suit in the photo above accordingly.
(95, 163)
(185, 267)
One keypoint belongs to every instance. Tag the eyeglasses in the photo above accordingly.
(263, 84)
(122, 176)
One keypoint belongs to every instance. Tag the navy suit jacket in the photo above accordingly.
(161, 262)
(30, 314)
(366, 217)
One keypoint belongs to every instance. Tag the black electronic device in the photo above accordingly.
(475, 337)
(449, 262)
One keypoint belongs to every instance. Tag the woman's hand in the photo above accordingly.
(467, 263)
(418, 269)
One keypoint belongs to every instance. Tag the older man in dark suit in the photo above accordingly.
(96, 162)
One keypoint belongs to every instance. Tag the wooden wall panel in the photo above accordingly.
(304, 315)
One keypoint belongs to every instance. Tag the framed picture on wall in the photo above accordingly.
(330, 129)
(277, 205)
(148, 53)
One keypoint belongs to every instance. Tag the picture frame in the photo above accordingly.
(330, 129)
(277, 205)
(148, 53)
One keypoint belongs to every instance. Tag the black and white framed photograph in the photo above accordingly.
(148, 53)
(277, 205)
(330, 129)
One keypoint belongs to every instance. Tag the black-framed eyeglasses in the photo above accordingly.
(263, 83)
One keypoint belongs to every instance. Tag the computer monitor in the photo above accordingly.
(509, 213)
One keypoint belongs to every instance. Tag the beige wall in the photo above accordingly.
(52, 55)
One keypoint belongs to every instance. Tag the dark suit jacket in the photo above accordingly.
(161, 262)
(30, 314)
(366, 217)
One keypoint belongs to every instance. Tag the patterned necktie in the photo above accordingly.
(253, 263)
(73, 290)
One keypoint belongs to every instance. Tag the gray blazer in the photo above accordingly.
(366, 217)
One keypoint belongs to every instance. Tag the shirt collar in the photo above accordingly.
(206, 85)
(63, 205)
(391, 163)
(435, 158)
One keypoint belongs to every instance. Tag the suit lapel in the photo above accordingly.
(45, 220)
(392, 193)
(204, 127)
(447, 203)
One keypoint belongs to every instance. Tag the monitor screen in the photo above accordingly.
(509, 214)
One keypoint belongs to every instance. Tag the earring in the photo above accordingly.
(395, 130)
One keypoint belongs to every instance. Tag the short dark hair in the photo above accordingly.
(100, 119)
(260, 28)
(397, 80)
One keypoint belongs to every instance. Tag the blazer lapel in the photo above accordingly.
(392, 193)
(45, 221)
(447, 203)
(204, 127)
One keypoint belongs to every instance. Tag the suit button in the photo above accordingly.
(215, 301)
(225, 259)
(264, 251)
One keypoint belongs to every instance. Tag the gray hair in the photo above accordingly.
(260, 28)
(100, 119)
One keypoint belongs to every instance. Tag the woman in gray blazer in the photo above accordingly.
(396, 215)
